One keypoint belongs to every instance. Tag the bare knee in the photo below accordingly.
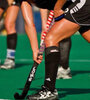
(49, 41)
(10, 26)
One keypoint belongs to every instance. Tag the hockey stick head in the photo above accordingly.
(17, 96)
(28, 82)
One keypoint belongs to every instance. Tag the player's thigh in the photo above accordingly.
(11, 14)
(59, 31)
(27, 13)
(86, 35)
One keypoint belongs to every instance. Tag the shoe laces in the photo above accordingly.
(8, 61)
(43, 91)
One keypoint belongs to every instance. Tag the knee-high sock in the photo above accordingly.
(51, 66)
(65, 46)
(11, 45)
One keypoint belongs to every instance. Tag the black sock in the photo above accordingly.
(65, 46)
(12, 41)
(11, 45)
(51, 66)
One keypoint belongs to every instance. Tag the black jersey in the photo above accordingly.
(3, 4)
(79, 12)
(49, 4)
(45, 4)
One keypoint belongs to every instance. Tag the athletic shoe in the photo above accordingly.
(64, 73)
(44, 94)
(8, 64)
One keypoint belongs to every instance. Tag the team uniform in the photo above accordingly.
(45, 92)
(73, 13)
(45, 4)
(65, 45)
(78, 12)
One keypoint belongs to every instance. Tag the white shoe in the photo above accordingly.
(8, 64)
(64, 73)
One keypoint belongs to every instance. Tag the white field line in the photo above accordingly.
(31, 60)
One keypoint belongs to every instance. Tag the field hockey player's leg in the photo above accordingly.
(64, 71)
(48, 91)
(10, 20)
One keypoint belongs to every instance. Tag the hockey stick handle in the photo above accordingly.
(49, 21)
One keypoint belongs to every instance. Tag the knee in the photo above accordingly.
(29, 23)
(9, 25)
(49, 40)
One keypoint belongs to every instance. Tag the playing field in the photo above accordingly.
(13, 80)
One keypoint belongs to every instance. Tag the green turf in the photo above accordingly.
(13, 80)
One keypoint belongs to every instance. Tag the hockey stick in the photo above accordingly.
(35, 65)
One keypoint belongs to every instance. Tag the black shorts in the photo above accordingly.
(3, 4)
(79, 12)
(44, 4)
(84, 29)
